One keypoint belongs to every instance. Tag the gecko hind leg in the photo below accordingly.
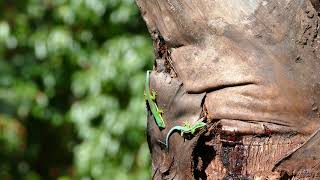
(153, 95)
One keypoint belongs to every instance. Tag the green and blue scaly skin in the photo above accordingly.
(185, 129)
(150, 97)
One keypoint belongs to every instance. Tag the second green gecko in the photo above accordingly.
(150, 96)
(185, 129)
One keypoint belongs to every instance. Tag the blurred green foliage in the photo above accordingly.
(71, 90)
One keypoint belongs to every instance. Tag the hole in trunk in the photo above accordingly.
(204, 153)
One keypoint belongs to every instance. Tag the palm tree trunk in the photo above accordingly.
(250, 70)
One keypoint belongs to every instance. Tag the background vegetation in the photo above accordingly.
(71, 90)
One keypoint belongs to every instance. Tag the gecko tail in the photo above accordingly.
(164, 145)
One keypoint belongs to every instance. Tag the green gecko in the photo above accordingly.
(150, 97)
(185, 129)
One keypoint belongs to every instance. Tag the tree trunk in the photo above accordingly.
(250, 70)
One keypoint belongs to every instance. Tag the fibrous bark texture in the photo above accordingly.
(251, 70)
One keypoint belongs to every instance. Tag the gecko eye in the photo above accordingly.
(186, 124)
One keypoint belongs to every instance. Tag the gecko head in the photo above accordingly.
(187, 124)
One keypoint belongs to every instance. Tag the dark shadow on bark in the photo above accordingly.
(204, 153)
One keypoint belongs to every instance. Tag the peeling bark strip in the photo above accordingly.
(251, 68)
(303, 161)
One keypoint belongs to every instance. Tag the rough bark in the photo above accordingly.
(252, 70)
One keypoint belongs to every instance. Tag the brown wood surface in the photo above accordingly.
(251, 69)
